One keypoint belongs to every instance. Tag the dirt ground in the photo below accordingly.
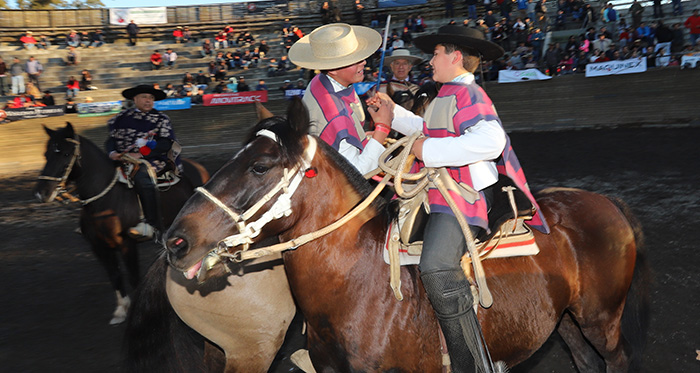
(56, 301)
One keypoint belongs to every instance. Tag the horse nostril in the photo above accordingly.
(177, 245)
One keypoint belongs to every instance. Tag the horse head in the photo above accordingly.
(426, 93)
(62, 158)
(250, 198)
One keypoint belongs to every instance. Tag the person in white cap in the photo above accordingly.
(337, 117)
(399, 87)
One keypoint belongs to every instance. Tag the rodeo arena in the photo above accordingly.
(350, 186)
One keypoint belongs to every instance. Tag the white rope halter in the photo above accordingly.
(282, 207)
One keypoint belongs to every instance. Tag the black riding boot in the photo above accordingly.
(452, 300)
(149, 197)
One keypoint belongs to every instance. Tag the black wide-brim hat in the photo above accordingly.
(467, 37)
(143, 88)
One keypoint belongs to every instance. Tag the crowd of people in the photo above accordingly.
(519, 28)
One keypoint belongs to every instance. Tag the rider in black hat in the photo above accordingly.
(464, 135)
(143, 133)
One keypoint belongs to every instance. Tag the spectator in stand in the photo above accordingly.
(70, 107)
(28, 41)
(188, 78)
(34, 70)
(359, 10)
(407, 37)
(170, 57)
(198, 97)
(187, 35)
(47, 99)
(255, 57)
(97, 39)
(3, 74)
(663, 58)
(170, 90)
(282, 65)
(242, 85)
(228, 30)
(286, 85)
(572, 46)
(650, 56)
(43, 42)
(201, 80)
(560, 21)
(658, 12)
(22, 101)
(156, 60)
(211, 70)
(72, 87)
(625, 38)
(206, 48)
(531, 9)
(602, 44)
(326, 13)
(678, 36)
(32, 91)
(300, 84)
(73, 39)
(566, 65)
(552, 58)
(133, 31)
(643, 32)
(261, 86)
(693, 24)
(86, 81)
(177, 34)
(220, 71)
(220, 40)
(664, 37)
(677, 7)
(610, 17)
(264, 48)
(420, 24)
(635, 11)
(396, 43)
(221, 87)
(85, 39)
(17, 72)
(72, 57)
(536, 39)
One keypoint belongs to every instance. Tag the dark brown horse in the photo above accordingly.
(587, 282)
(109, 207)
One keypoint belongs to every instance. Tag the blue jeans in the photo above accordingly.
(96, 44)
(694, 39)
(72, 92)
(472, 11)
(29, 46)
(677, 7)
(74, 44)
(17, 84)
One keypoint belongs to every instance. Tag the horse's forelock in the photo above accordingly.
(290, 138)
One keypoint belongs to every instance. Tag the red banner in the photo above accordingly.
(234, 98)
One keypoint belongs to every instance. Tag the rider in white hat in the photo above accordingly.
(399, 87)
(339, 51)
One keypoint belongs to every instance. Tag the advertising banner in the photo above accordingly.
(289, 93)
(95, 109)
(631, 66)
(173, 104)
(397, 3)
(141, 16)
(32, 112)
(514, 76)
(234, 98)
(691, 61)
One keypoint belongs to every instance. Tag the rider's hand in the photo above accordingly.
(115, 156)
(417, 148)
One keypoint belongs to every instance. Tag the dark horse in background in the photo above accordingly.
(105, 220)
(589, 281)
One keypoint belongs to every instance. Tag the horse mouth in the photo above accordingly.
(193, 271)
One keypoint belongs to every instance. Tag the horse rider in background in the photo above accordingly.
(143, 133)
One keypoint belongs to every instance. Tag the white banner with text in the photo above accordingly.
(140, 16)
(631, 66)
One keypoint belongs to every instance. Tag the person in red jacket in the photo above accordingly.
(72, 87)
(28, 40)
(156, 60)
(177, 34)
(693, 24)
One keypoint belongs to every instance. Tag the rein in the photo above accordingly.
(393, 167)
(61, 187)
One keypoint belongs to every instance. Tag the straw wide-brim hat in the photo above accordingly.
(334, 46)
(467, 37)
(402, 54)
(143, 88)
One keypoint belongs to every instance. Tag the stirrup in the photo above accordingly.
(142, 231)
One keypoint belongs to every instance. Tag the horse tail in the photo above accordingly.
(156, 340)
(195, 172)
(635, 316)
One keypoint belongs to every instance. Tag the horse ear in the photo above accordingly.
(48, 130)
(262, 111)
(70, 132)
(298, 116)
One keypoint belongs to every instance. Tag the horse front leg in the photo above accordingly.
(585, 357)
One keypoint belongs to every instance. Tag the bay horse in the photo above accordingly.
(588, 282)
(109, 207)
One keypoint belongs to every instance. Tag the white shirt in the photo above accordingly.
(170, 57)
(365, 160)
(477, 147)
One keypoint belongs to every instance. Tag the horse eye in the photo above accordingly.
(260, 169)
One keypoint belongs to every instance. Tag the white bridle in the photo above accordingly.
(282, 207)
